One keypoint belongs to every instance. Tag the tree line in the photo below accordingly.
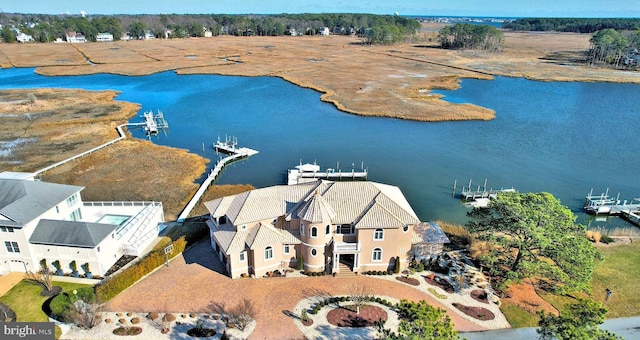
(615, 49)
(469, 36)
(576, 25)
(375, 29)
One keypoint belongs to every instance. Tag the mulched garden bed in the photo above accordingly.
(479, 313)
(409, 280)
(127, 331)
(442, 283)
(201, 332)
(480, 295)
(343, 317)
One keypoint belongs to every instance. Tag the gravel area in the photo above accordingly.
(152, 329)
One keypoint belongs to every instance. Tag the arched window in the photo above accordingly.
(314, 232)
(377, 254)
(268, 253)
(327, 229)
(301, 228)
(378, 234)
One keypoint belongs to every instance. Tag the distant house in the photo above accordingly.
(329, 226)
(73, 37)
(102, 37)
(324, 31)
(47, 221)
(208, 34)
(24, 38)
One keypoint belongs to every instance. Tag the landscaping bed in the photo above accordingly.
(408, 280)
(345, 317)
(480, 295)
(126, 331)
(439, 282)
(479, 313)
(200, 332)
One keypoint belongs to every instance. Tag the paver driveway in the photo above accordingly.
(194, 283)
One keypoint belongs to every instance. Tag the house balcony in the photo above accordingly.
(346, 247)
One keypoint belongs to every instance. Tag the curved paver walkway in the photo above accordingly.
(194, 283)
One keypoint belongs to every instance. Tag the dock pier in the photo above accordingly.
(234, 153)
(469, 194)
(604, 205)
(311, 172)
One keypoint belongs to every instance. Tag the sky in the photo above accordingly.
(492, 8)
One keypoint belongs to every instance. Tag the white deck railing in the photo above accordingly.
(343, 247)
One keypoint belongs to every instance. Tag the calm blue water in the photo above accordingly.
(564, 138)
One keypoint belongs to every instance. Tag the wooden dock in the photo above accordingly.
(310, 172)
(481, 193)
(234, 154)
(604, 205)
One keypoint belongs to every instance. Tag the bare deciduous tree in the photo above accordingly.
(360, 294)
(42, 277)
(243, 313)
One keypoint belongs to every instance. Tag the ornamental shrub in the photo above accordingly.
(112, 286)
(62, 304)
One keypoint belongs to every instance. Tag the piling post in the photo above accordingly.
(453, 193)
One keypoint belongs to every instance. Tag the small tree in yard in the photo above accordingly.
(87, 315)
(418, 320)
(42, 277)
(243, 313)
(577, 321)
(360, 294)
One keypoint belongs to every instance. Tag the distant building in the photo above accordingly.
(47, 221)
(148, 35)
(208, 34)
(73, 37)
(324, 31)
(24, 38)
(329, 226)
(101, 37)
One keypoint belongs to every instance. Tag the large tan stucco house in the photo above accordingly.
(363, 225)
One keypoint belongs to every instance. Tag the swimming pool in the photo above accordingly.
(113, 219)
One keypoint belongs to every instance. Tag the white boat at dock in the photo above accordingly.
(307, 172)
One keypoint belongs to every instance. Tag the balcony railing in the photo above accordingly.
(344, 247)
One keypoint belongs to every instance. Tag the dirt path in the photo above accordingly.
(192, 284)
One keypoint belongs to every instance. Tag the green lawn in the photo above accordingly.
(517, 316)
(619, 272)
(24, 298)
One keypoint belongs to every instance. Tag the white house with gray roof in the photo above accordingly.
(329, 226)
(47, 221)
